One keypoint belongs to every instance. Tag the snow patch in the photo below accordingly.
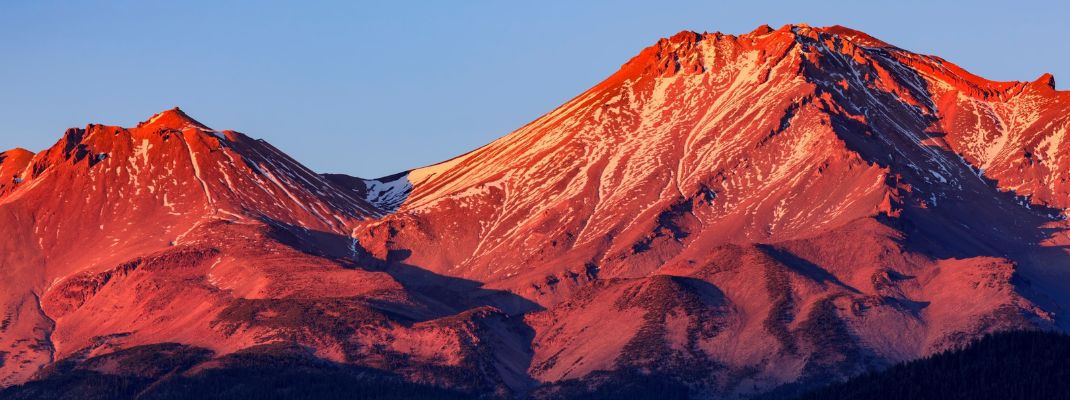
(387, 194)
(142, 151)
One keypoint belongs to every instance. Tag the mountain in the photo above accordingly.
(790, 204)
(116, 238)
(725, 216)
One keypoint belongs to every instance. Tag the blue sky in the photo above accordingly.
(372, 88)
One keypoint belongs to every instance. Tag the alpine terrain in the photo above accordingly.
(724, 217)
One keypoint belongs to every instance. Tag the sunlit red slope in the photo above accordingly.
(827, 201)
(174, 232)
(728, 213)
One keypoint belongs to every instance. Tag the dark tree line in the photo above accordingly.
(1004, 366)
(267, 372)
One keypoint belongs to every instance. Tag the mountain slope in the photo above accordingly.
(104, 195)
(765, 123)
(173, 232)
(724, 216)
(777, 150)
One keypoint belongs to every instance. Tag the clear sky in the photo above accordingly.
(372, 88)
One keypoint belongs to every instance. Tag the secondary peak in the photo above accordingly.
(171, 119)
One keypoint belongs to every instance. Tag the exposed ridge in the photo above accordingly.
(692, 52)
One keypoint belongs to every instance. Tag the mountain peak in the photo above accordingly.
(174, 118)
(15, 152)
(1046, 79)
(762, 30)
(856, 36)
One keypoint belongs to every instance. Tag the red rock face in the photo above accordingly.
(735, 213)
